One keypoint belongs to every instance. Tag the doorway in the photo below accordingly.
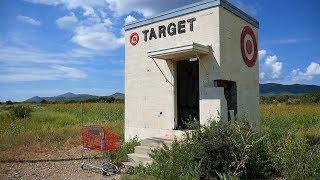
(187, 93)
(230, 94)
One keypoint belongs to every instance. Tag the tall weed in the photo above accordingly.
(219, 149)
(293, 141)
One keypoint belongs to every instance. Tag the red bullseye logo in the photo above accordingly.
(134, 39)
(249, 48)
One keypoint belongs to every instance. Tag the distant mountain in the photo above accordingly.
(71, 96)
(117, 95)
(34, 99)
(294, 89)
(67, 95)
(265, 90)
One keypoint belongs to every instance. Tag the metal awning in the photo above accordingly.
(180, 52)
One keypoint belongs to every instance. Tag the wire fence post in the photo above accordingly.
(81, 111)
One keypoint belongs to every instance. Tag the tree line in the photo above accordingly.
(93, 100)
(311, 98)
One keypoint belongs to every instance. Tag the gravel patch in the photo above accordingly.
(64, 163)
(49, 170)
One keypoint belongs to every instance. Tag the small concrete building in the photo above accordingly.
(196, 63)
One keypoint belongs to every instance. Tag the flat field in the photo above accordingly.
(300, 119)
(53, 131)
(53, 127)
(58, 125)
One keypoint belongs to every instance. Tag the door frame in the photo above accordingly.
(176, 114)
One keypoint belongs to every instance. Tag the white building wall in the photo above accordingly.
(149, 84)
(148, 92)
(234, 68)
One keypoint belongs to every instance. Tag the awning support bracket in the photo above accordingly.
(167, 80)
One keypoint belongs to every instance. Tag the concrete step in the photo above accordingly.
(156, 142)
(141, 153)
(139, 158)
(135, 164)
(130, 164)
(143, 149)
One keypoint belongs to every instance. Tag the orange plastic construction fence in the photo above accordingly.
(99, 138)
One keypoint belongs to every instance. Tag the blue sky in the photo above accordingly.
(50, 47)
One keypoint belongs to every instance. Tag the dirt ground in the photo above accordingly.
(50, 164)
(49, 170)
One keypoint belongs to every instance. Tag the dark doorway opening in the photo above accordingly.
(187, 93)
(230, 93)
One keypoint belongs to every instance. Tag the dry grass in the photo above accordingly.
(57, 126)
(301, 119)
(53, 126)
(294, 139)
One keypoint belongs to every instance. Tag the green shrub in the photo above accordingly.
(138, 173)
(177, 161)
(309, 98)
(9, 102)
(293, 140)
(21, 111)
(4, 115)
(260, 163)
(121, 154)
(298, 160)
(312, 139)
(43, 101)
(219, 149)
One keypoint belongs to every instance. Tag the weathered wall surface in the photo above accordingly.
(149, 92)
(150, 83)
(234, 68)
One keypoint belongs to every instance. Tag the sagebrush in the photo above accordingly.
(219, 149)
(20, 111)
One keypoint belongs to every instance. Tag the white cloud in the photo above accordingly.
(148, 8)
(54, 72)
(16, 77)
(89, 11)
(262, 54)
(145, 7)
(129, 19)
(274, 65)
(22, 55)
(311, 71)
(83, 53)
(298, 75)
(287, 41)
(67, 22)
(270, 67)
(262, 75)
(28, 20)
(107, 22)
(70, 72)
(122, 7)
(96, 37)
(94, 31)
(86, 5)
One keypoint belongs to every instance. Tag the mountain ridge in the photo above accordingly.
(291, 89)
(267, 89)
(72, 96)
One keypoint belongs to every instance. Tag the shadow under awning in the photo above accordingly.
(180, 52)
